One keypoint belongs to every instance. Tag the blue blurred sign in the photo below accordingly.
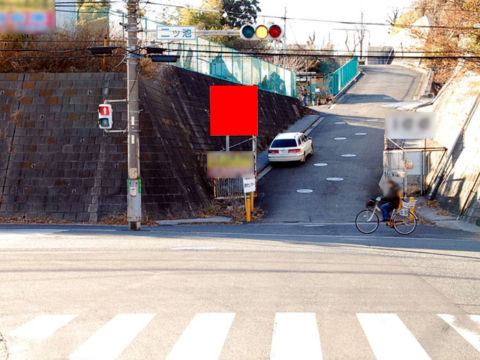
(176, 33)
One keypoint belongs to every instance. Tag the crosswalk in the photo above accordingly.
(294, 335)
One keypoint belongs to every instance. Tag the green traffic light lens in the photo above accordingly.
(104, 122)
(248, 31)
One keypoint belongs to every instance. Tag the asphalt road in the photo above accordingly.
(303, 285)
(340, 201)
(231, 292)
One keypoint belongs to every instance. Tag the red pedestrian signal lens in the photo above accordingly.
(104, 110)
(275, 31)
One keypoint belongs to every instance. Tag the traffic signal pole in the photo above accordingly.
(134, 199)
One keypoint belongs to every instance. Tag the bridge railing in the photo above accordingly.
(337, 80)
(219, 61)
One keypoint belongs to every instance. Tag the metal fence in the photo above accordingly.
(337, 80)
(219, 61)
(205, 56)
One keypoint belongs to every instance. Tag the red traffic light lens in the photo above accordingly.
(104, 110)
(275, 31)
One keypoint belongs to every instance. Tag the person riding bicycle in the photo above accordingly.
(392, 200)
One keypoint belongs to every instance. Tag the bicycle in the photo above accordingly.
(404, 221)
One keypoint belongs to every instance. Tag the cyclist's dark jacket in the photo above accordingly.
(392, 197)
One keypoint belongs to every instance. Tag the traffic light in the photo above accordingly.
(262, 32)
(105, 120)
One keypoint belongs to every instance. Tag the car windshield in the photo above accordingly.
(280, 143)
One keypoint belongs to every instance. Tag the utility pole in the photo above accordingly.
(285, 39)
(134, 196)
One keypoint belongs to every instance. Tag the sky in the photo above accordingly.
(343, 10)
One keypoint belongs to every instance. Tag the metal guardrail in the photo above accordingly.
(207, 57)
(337, 80)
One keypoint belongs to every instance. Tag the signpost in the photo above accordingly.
(176, 33)
(249, 187)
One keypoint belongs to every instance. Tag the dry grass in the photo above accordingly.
(433, 204)
(63, 51)
(233, 208)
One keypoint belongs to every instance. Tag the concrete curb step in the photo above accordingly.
(212, 220)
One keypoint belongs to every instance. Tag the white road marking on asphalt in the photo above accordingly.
(264, 172)
(340, 138)
(320, 164)
(304, 191)
(42, 326)
(340, 123)
(313, 225)
(390, 339)
(109, 342)
(22, 234)
(472, 337)
(335, 179)
(360, 134)
(194, 248)
(314, 125)
(359, 238)
(204, 337)
(348, 155)
(295, 336)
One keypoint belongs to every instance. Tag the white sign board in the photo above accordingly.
(249, 185)
(176, 33)
(410, 125)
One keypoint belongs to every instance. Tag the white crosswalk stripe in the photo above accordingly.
(204, 337)
(295, 336)
(109, 342)
(390, 339)
(471, 336)
(42, 326)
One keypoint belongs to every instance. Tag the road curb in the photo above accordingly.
(261, 172)
(349, 85)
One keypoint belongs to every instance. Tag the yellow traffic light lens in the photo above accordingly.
(261, 32)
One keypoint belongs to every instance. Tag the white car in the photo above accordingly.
(290, 147)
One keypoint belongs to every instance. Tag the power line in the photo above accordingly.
(230, 54)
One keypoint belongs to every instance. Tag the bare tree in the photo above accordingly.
(393, 17)
(346, 41)
(361, 30)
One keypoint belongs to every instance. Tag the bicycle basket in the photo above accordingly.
(369, 203)
(409, 205)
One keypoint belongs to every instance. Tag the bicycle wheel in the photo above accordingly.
(367, 221)
(404, 224)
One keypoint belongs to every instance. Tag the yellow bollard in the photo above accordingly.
(412, 209)
(252, 200)
(249, 217)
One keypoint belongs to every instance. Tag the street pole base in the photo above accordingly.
(134, 225)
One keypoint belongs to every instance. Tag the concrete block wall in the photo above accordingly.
(56, 164)
(460, 187)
